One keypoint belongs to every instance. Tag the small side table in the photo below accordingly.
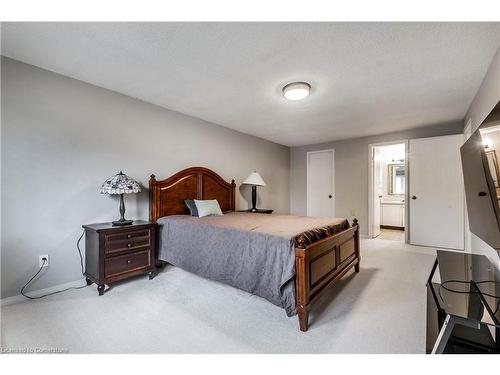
(259, 211)
(114, 253)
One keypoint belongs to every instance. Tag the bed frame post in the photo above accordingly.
(303, 319)
(153, 199)
(301, 286)
(356, 244)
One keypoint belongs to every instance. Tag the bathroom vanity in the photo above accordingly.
(392, 214)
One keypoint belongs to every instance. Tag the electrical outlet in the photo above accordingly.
(353, 212)
(41, 262)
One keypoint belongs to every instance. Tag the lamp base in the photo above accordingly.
(254, 199)
(122, 222)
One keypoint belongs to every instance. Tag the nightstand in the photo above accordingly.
(114, 253)
(259, 211)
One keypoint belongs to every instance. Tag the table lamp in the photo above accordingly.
(255, 180)
(120, 184)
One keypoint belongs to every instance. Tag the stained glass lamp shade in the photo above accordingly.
(121, 184)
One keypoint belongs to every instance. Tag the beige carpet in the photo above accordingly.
(379, 310)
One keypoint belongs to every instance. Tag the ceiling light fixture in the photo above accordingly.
(296, 90)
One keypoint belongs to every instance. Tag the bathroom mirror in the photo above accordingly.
(396, 173)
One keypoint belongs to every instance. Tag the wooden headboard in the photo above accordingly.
(166, 197)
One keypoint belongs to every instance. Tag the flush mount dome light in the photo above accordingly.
(296, 90)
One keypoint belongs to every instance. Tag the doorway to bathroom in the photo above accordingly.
(387, 191)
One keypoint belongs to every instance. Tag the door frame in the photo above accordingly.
(371, 171)
(333, 178)
(467, 233)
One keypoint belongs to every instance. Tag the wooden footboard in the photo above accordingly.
(319, 265)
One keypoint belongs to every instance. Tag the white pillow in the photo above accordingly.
(208, 208)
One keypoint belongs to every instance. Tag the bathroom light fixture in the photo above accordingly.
(296, 90)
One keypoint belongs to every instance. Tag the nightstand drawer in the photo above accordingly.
(117, 237)
(115, 243)
(127, 263)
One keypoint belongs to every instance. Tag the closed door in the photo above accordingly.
(320, 183)
(436, 192)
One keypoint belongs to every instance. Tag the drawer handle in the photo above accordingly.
(129, 245)
(129, 261)
(129, 236)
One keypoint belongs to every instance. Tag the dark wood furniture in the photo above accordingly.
(317, 265)
(166, 197)
(259, 211)
(115, 253)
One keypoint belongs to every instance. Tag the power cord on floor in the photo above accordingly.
(44, 260)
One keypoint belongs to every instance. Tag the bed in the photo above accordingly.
(288, 260)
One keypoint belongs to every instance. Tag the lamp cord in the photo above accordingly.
(58, 291)
(80, 252)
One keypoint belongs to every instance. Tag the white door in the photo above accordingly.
(320, 183)
(436, 192)
(377, 190)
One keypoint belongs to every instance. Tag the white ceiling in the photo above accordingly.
(367, 78)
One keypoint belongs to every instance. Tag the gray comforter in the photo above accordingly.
(252, 252)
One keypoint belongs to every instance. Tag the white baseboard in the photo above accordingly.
(36, 293)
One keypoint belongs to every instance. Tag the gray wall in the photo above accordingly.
(351, 170)
(61, 138)
(486, 98)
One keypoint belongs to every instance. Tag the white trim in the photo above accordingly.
(371, 146)
(36, 293)
(467, 233)
(333, 178)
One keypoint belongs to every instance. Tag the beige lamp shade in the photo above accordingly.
(254, 179)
